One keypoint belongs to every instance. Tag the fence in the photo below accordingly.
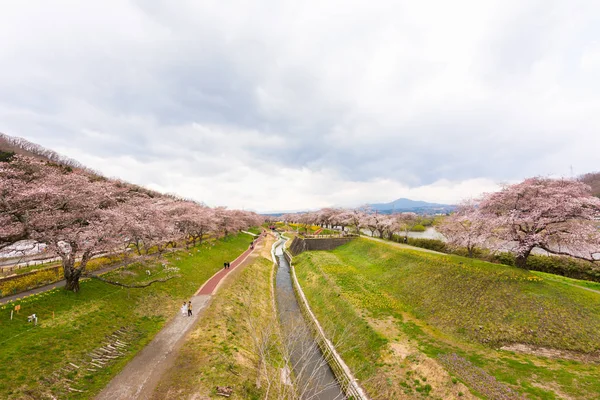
(13, 267)
(341, 371)
(337, 235)
(327, 243)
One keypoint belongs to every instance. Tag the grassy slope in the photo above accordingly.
(220, 350)
(449, 304)
(82, 321)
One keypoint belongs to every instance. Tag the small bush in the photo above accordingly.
(431, 244)
(30, 280)
(418, 228)
(6, 156)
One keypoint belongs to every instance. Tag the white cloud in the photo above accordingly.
(286, 105)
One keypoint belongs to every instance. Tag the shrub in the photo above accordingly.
(418, 228)
(564, 266)
(431, 244)
(6, 156)
(30, 280)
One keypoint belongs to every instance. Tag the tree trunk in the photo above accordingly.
(137, 247)
(73, 283)
(521, 259)
(71, 274)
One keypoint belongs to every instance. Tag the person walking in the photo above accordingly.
(189, 308)
(184, 309)
(225, 265)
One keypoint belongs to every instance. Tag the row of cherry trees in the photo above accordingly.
(79, 214)
(358, 219)
(560, 216)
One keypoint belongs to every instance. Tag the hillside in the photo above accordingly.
(455, 314)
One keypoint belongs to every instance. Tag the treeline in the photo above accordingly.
(78, 213)
(362, 218)
(557, 265)
(11, 145)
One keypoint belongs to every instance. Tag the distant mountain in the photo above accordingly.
(396, 206)
(408, 205)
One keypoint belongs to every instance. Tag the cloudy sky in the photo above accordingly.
(283, 105)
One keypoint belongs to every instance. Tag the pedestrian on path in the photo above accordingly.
(225, 265)
(184, 309)
(228, 265)
(189, 309)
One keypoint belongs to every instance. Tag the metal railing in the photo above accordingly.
(329, 236)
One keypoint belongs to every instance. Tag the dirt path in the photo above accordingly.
(572, 284)
(141, 375)
(403, 246)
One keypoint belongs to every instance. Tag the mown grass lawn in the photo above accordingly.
(458, 312)
(71, 325)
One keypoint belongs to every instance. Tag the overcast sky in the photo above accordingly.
(284, 105)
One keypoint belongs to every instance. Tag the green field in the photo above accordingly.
(72, 325)
(432, 325)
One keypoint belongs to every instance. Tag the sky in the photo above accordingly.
(289, 105)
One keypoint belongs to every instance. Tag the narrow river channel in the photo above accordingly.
(312, 374)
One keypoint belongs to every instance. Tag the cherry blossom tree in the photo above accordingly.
(465, 227)
(407, 221)
(593, 180)
(73, 212)
(225, 221)
(555, 215)
(247, 219)
(377, 223)
(307, 219)
(193, 220)
(148, 223)
(19, 195)
(78, 214)
(356, 218)
(344, 219)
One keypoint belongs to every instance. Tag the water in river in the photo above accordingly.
(312, 375)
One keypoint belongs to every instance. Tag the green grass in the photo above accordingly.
(83, 320)
(255, 230)
(453, 305)
(570, 281)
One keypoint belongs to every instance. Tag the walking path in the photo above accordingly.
(402, 245)
(62, 282)
(141, 375)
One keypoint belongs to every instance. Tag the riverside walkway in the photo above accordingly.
(141, 375)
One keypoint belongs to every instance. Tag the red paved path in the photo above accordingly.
(213, 282)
